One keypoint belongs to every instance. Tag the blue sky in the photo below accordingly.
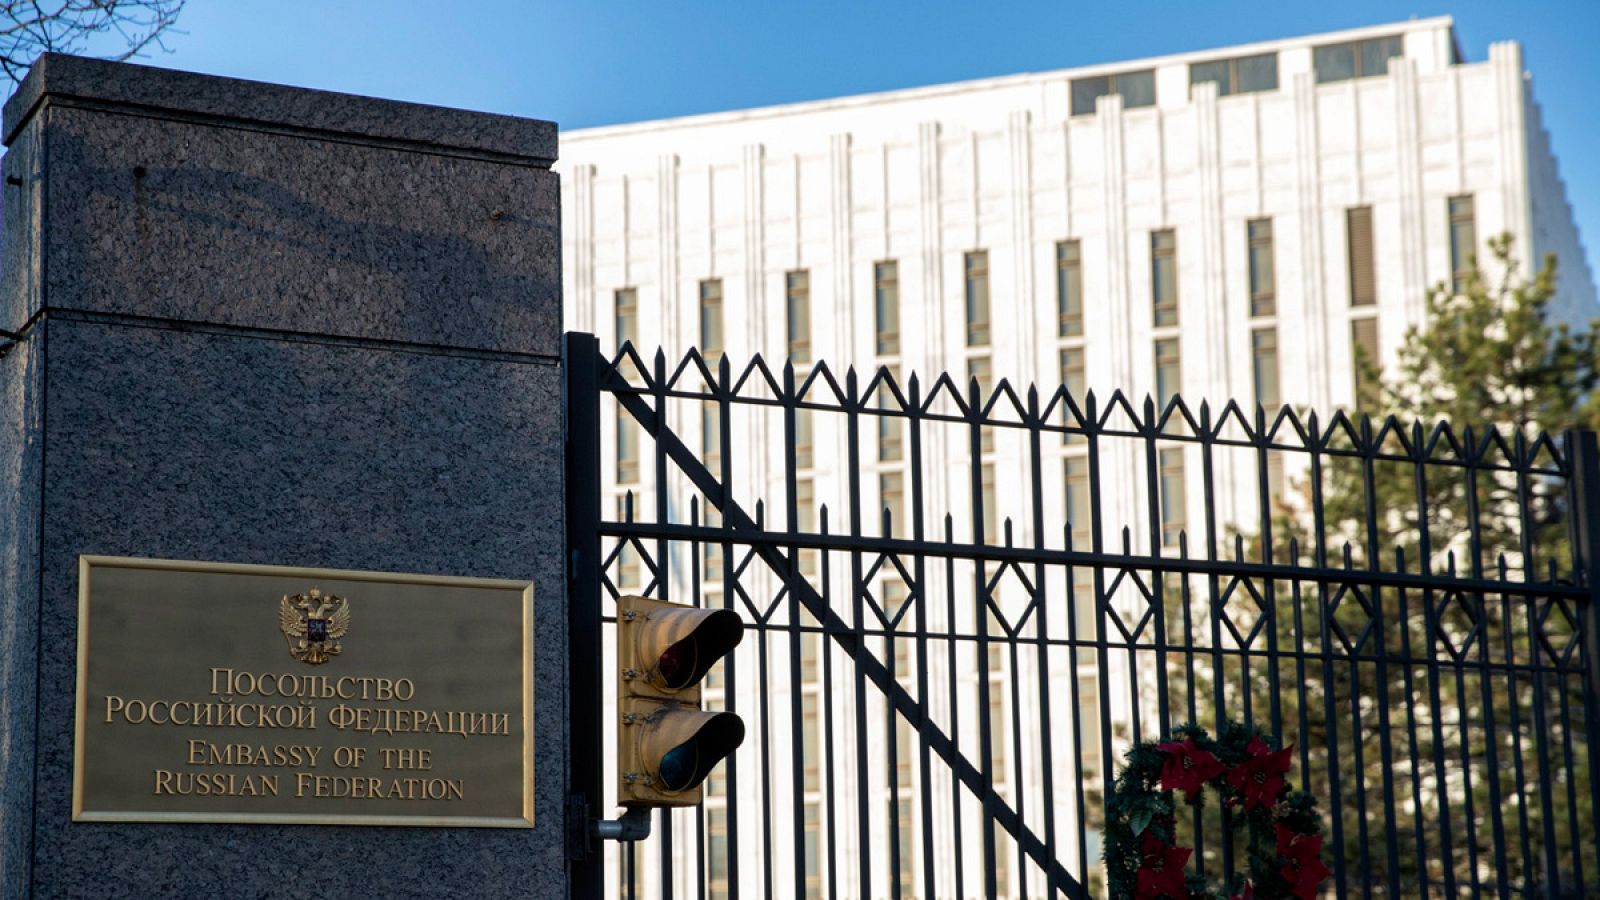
(594, 62)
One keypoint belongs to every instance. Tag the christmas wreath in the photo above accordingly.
(1246, 768)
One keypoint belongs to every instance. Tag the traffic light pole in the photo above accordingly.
(633, 826)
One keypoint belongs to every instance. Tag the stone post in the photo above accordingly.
(259, 324)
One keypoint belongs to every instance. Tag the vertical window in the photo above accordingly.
(804, 455)
(1364, 356)
(1076, 475)
(886, 292)
(1069, 290)
(1072, 376)
(1264, 367)
(1164, 276)
(627, 316)
(980, 370)
(1263, 280)
(628, 570)
(891, 427)
(813, 852)
(991, 518)
(892, 498)
(1080, 530)
(977, 271)
(716, 852)
(627, 322)
(711, 321)
(710, 410)
(810, 745)
(797, 299)
(1168, 383)
(805, 501)
(905, 744)
(1172, 495)
(627, 449)
(1358, 245)
(1463, 242)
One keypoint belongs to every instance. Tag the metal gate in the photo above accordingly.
(964, 602)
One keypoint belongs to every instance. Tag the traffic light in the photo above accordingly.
(667, 744)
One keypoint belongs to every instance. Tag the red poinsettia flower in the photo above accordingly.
(1187, 767)
(1260, 778)
(1305, 879)
(1296, 847)
(1161, 870)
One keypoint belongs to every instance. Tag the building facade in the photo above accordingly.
(1236, 224)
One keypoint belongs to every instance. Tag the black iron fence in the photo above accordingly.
(964, 602)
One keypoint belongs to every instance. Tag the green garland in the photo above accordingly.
(1246, 768)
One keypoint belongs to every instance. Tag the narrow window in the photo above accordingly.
(627, 322)
(979, 370)
(627, 449)
(886, 291)
(1264, 367)
(811, 747)
(1164, 276)
(711, 412)
(716, 852)
(627, 316)
(798, 303)
(1358, 243)
(1168, 374)
(805, 501)
(804, 457)
(1069, 290)
(1072, 372)
(1076, 475)
(1463, 243)
(813, 852)
(711, 321)
(892, 498)
(1263, 279)
(891, 427)
(1172, 495)
(977, 279)
(1364, 355)
(628, 569)
(991, 517)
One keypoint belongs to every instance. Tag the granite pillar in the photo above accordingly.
(261, 324)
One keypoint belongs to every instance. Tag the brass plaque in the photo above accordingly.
(210, 692)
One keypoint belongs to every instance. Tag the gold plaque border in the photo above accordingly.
(86, 562)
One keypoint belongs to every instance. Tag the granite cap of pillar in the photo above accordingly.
(217, 201)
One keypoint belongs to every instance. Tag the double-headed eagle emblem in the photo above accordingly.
(312, 625)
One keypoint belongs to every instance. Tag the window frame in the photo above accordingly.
(1259, 235)
(1161, 307)
(797, 293)
(1111, 88)
(1069, 288)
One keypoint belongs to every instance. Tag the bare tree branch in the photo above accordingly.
(31, 27)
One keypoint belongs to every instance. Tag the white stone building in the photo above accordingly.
(1230, 223)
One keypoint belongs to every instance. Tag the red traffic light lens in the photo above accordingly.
(688, 660)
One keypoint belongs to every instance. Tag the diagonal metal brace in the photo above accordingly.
(898, 697)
